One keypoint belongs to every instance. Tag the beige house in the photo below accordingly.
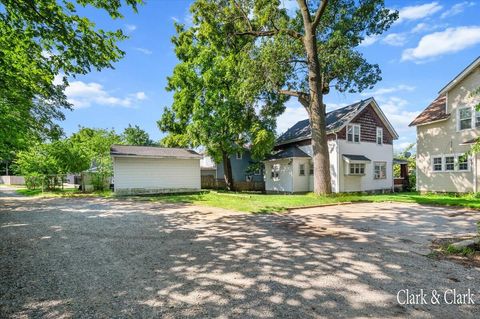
(446, 130)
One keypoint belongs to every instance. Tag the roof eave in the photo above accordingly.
(156, 156)
(460, 76)
(430, 122)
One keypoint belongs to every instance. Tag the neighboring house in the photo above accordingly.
(147, 170)
(446, 129)
(208, 166)
(240, 163)
(360, 141)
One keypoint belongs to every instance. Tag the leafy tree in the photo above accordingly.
(476, 94)
(95, 143)
(134, 135)
(303, 55)
(407, 155)
(47, 161)
(209, 107)
(39, 40)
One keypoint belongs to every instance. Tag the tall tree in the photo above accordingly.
(209, 107)
(134, 135)
(39, 40)
(305, 54)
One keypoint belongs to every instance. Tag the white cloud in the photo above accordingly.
(457, 9)
(83, 95)
(175, 19)
(389, 90)
(130, 27)
(395, 39)
(418, 12)
(294, 112)
(144, 51)
(447, 41)
(396, 112)
(140, 96)
(369, 40)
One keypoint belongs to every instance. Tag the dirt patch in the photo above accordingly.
(439, 248)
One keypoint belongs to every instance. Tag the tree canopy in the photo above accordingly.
(40, 40)
(303, 54)
(210, 107)
(134, 135)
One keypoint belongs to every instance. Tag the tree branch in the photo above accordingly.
(303, 97)
(319, 14)
(307, 20)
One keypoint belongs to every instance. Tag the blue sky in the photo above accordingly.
(431, 43)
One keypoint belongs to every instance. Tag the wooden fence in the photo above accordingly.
(210, 182)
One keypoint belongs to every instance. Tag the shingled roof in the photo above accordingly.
(152, 151)
(288, 153)
(434, 112)
(334, 121)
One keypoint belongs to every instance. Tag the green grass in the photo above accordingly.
(67, 192)
(452, 250)
(261, 203)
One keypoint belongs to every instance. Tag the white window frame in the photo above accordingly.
(239, 156)
(310, 169)
(472, 118)
(352, 127)
(379, 135)
(444, 164)
(275, 174)
(380, 165)
(301, 170)
(433, 163)
(361, 167)
(458, 163)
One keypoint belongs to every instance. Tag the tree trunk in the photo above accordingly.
(321, 159)
(227, 172)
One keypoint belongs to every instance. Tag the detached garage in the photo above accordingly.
(149, 170)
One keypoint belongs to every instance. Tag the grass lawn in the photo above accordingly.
(261, 203)
(67, 192)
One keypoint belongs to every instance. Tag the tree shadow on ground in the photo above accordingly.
(111, 258)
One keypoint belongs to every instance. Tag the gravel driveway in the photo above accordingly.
(97, 258)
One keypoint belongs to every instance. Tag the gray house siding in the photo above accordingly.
(239, 168)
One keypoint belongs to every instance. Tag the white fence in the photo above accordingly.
(12, 180)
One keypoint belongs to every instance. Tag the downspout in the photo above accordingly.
(475, 173)
(338, 162)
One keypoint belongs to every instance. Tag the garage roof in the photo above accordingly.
(152, 151)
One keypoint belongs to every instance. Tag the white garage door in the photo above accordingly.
(153, 173)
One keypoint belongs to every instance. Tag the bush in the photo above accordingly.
(33, 181)
(100, 181)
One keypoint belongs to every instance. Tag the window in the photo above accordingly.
(379, 135)
(380, 170)
(437, 164)
(356, 169)
(301, 170)
(257, 171)
(310, 169)
(449, 163)
(463, 163)
(275, 171)
(353, 133)
(465, 118)
(239, 156)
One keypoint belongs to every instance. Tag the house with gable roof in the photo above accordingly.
(446, 130)
(360, 142)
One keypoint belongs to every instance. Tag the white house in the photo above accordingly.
(148, 170)
(360, 140)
